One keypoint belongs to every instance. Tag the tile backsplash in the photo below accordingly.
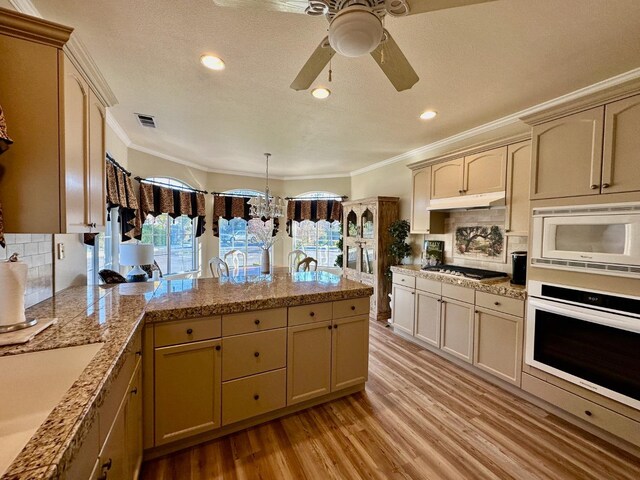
(481, 217)
(36, 250)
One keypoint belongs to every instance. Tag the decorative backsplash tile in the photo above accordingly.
(479, 242)
(36, 250)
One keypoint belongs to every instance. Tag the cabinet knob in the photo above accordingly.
(312, 314)
(588, 413)
(256, 397)
(107, 465)
(134, 391)
(353, 307)
(103, 476)
(218, 347)
(335, 326)
(256, 354)
(189, 331)
(329, 327)
(256, 321)
(605, 185)
(593, 187)
(497, 304)
(460, 192)
(139, 353)
(477, 311)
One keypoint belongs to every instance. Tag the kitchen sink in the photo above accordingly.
(31, 386)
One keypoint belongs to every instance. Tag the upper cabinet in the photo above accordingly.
(592, 152)
(483, 172)
(518, 168)
(568, 156)
(53, 178)
(422, 220)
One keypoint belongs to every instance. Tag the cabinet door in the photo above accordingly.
(113, 457)
(456, 331)
(518, 171)
(420, 200)
(498, 344)
(349, 352)
(187, 390)
(404, 308)
(621, 162)
(76, 154)
(428, 318)
(446, 179)
(485, 172)
(133, 422)
(97, 174)
(567, 156)
(308, 362)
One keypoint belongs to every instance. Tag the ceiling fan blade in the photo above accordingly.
(394, 64)
(290, 6)
(314, 66)
(424, 6)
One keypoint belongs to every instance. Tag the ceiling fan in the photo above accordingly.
(355, 29)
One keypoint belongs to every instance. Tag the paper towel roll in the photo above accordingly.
(13, 282)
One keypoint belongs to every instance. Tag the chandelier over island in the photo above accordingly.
(267, 206)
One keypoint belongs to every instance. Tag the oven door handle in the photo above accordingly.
(593, 316)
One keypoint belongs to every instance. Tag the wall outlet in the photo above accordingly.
(61, 251)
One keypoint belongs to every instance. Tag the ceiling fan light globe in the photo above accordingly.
(355, 32)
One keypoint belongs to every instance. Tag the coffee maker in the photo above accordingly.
(519, 265)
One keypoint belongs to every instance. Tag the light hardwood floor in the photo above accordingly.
(421, 417)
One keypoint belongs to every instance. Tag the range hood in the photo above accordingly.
(466, 202)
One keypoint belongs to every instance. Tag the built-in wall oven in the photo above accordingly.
(590, 338)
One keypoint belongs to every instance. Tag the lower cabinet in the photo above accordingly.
(187, 390)
(457, 329)
(252, 396)
(113, 456)
(349, 352)
(428, 318)
(498, 341)
(133, 423)
(403, 308)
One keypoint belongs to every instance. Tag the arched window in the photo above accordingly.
(318, 239)
(235, 234)
(174, 242)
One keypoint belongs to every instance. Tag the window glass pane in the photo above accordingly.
(318, 240)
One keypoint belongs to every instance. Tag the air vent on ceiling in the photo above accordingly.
(146, 120)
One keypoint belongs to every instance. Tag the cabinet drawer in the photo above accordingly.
(351, 308)
(253, 353)
(512, 306)
(463, 294)
(254, 321)
(252, 396)
(584, 409)
(186, 331)
(405, 280)
(316, 312)
(429, 286)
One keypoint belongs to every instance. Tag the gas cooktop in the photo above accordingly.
(467, 272)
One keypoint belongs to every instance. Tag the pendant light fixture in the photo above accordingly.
(267, 206)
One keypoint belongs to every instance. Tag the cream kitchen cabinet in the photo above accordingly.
(621, 160)
(427, 315)
(349, 352)
(485, 172)
(447, 179)
(54, 179)
(113, 456)
(423, 221)
(403, 309)
(456, 330)
(518, 169)
(567, 156)
(187, 390)
(133, 425)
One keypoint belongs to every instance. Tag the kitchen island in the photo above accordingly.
(147, 320)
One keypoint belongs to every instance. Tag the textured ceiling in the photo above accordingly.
(476, 64)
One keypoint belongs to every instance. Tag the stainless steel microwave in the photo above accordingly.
(601, 239)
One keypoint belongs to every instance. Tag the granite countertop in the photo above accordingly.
(497, 287)
(114, 315)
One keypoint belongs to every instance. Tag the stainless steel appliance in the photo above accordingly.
(590, 338)
(602, 239)
(519, 268)
(468, 272)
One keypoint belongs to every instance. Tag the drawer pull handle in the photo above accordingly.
(497, 304)
(256, 321)
(218, 347)
(256, 397)
(312, 314)
(588, 413)
(107, 465)
(139, 353)
(593, 187)
(604, 185)
(189, 331)
(134, 391)
(257, 354)
(353, 307)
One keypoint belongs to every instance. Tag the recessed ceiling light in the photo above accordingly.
(321, 93)
(212, 62)
(428, 115)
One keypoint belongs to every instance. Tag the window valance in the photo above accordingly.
(229, 207)
(121, 194)
(313, 210)
(156, 200)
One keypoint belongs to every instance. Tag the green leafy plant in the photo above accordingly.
(399, 248)
(339, 257)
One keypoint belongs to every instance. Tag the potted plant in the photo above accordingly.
(399, 248)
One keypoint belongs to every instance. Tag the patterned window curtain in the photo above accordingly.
(229, 207)
(5, 141)
(313, 210)
(156, 200)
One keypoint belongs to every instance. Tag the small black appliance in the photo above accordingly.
(519, 264)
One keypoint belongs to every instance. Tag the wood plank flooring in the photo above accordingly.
(421, 417)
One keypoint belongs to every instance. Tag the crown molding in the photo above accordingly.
(118, 130)
(79, 56)
(35, 29)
